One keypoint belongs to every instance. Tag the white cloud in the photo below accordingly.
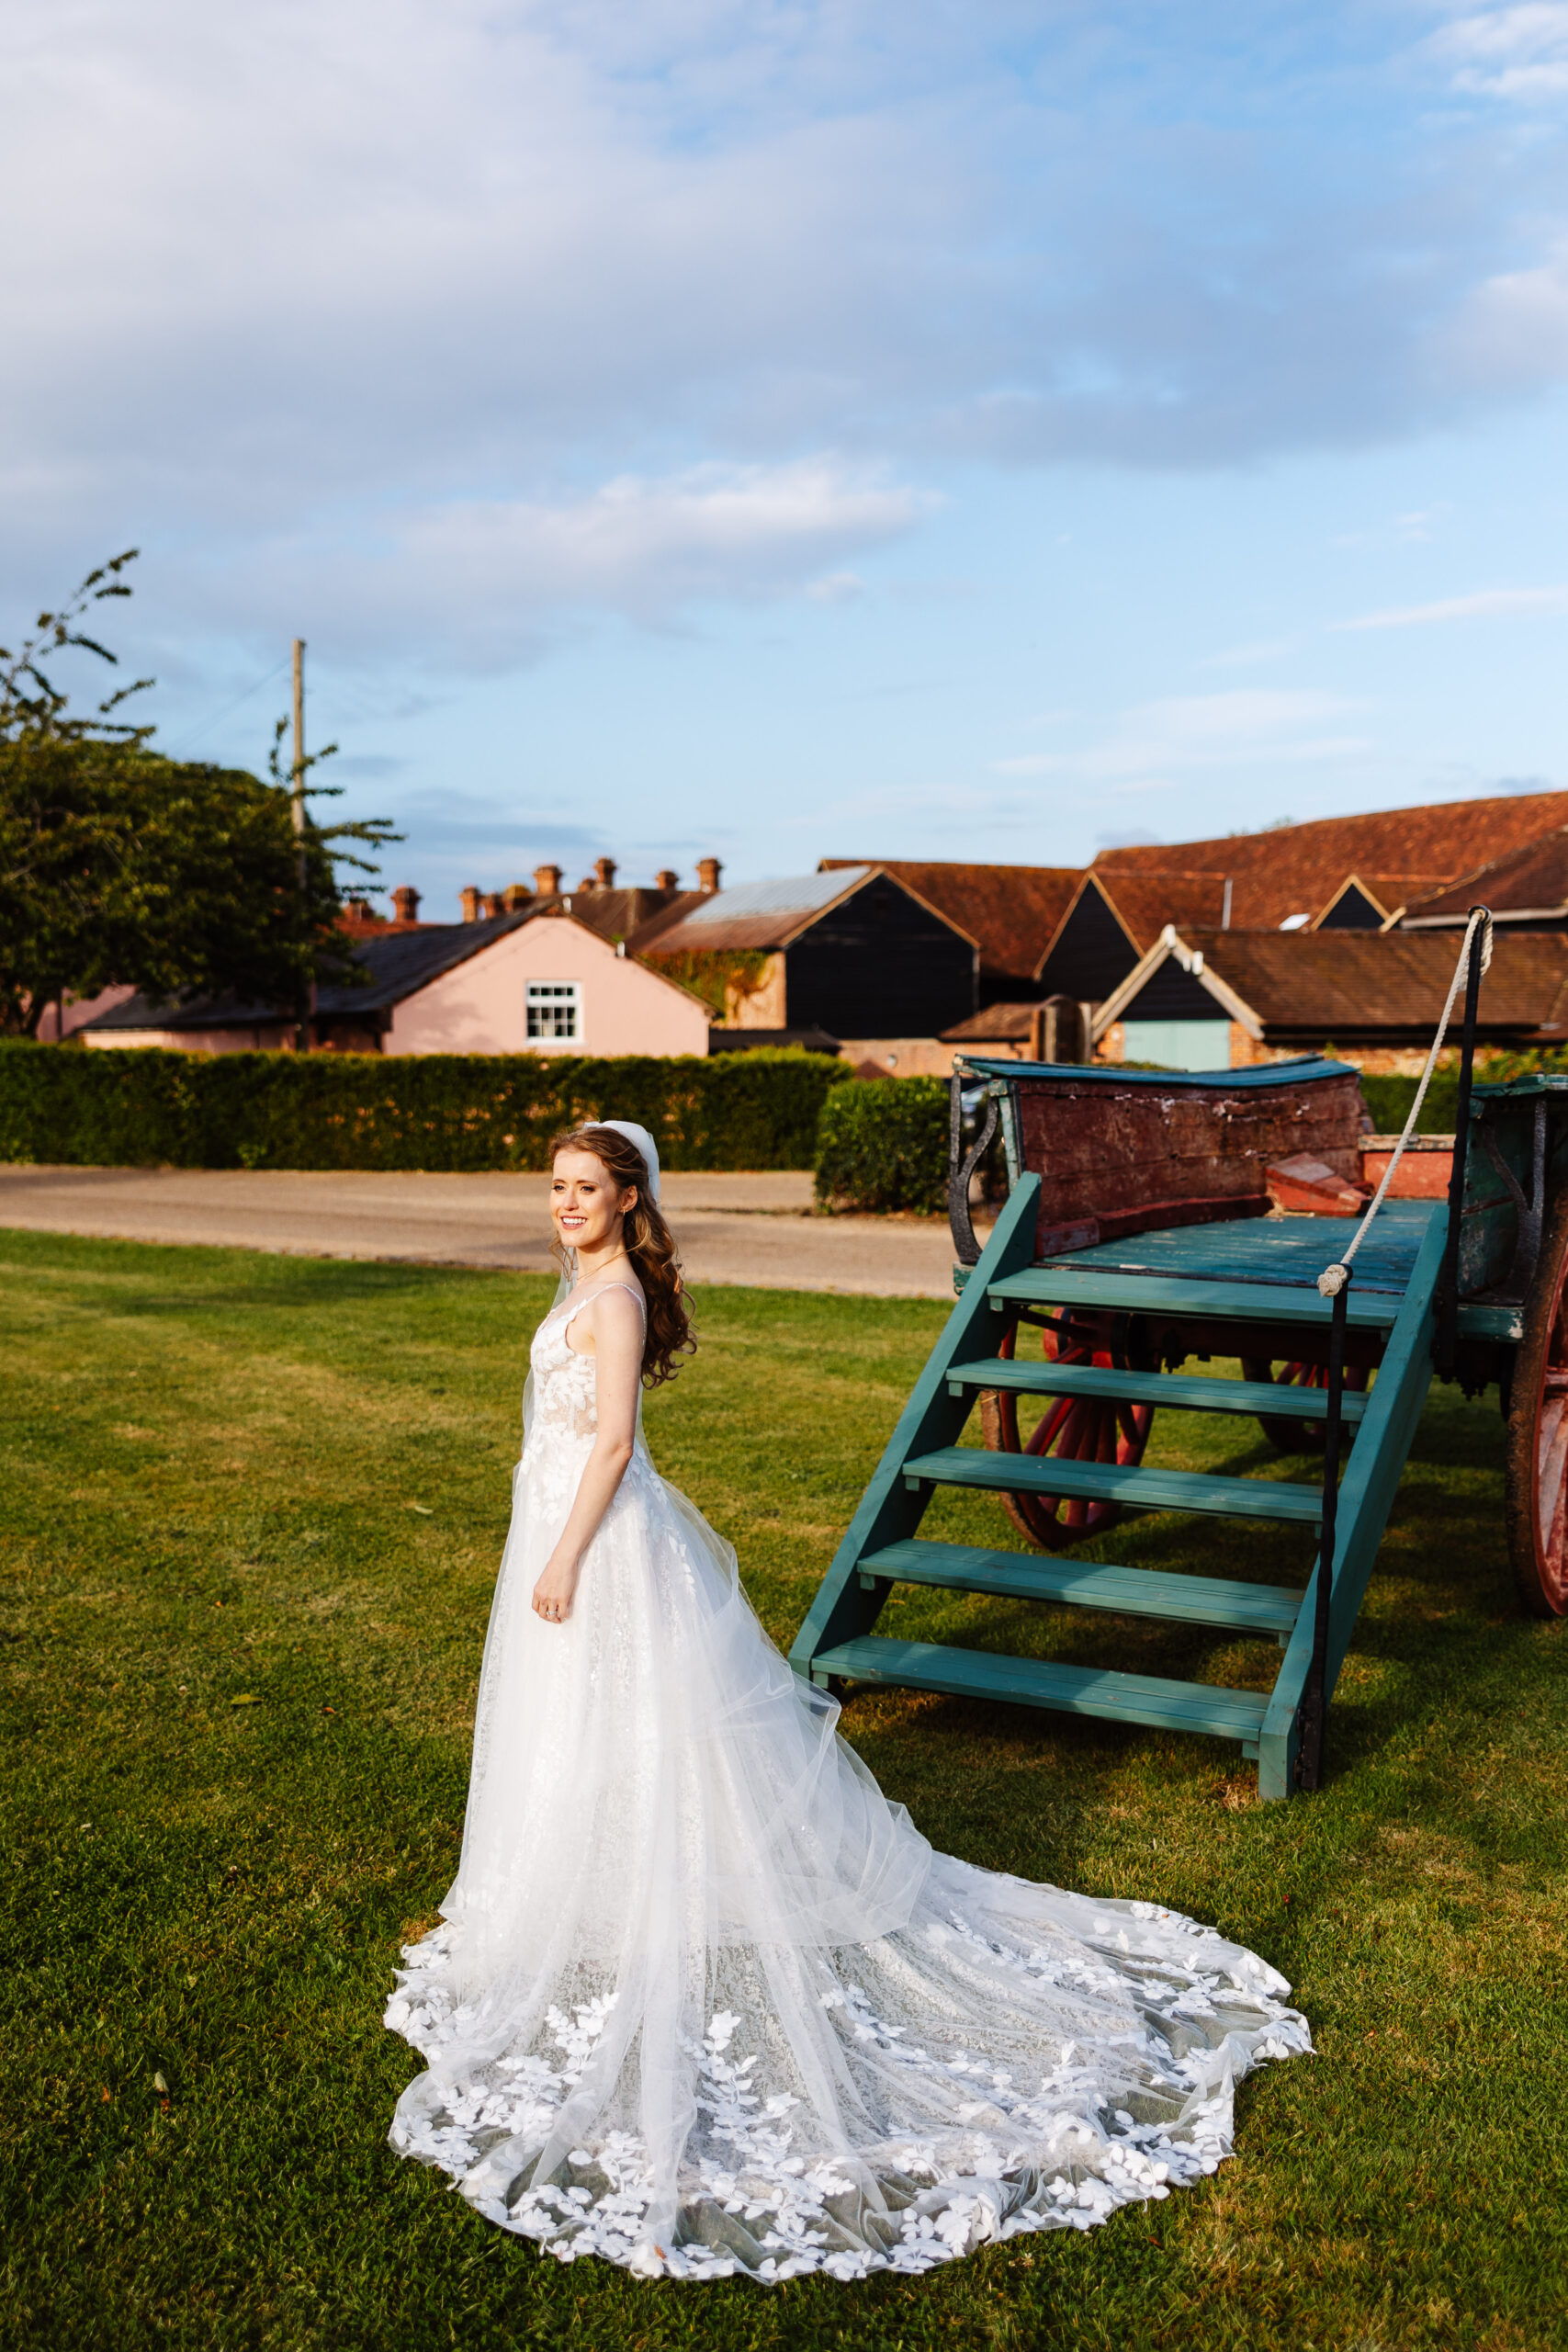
(436, 278)
(637, 543)
(1480, 604)
(1519, 51)
(1159, 741)
(836, 588)
(1511, 332)
(319, 238)
(478, 583)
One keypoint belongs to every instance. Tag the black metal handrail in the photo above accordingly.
(1445, 1346)
(1315, 1698)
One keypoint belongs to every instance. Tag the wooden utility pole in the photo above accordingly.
(302, 1034)
(300, 760)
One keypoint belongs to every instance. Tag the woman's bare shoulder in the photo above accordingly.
(617, 1311)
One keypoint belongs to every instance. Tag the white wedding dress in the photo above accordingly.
(704, 2002)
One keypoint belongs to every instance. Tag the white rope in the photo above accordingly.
(1332, 1279)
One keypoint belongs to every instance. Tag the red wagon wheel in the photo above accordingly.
(1537, 1481)
(1072, 1428)
(1291, 1436)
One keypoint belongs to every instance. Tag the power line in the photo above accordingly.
(187, 741)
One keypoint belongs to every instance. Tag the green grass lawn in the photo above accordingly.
(250, 1513)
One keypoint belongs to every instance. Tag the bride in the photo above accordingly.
(705, 2002)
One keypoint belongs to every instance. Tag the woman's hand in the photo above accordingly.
(556, 1588)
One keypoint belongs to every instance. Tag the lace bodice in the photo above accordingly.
(564, 1419)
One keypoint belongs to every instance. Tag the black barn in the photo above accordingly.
(861, 956)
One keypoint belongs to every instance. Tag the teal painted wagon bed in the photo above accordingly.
(1137, 1241)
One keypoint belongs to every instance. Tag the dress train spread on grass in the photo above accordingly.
(705, 2003)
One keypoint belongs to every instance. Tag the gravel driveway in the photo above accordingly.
(741, 1228)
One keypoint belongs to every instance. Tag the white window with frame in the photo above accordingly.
(555, 1013)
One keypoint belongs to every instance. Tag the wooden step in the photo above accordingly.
(1163, 1294)
(1038, 1682)
(1141, 1490)
(1267, 1609)
(1187, 1391)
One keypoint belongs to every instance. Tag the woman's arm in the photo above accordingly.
(614, 1322)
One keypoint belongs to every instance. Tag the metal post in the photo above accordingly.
(1314, 1698)
(1446, 1345)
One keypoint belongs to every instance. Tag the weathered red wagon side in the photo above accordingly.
(1119, 1153)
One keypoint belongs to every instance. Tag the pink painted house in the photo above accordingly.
(77, 1011)
(519, 983)
(551, 986)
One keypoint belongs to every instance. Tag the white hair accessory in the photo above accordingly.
(643, 1142)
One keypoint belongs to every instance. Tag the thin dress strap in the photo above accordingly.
(589, 1296)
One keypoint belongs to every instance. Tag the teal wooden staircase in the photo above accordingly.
(1244, 1274)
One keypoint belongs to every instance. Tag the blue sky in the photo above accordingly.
(892, 428)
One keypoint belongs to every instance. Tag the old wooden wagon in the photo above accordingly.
(1138, 1243)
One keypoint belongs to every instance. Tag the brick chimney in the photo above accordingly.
(405, 902)
(469, 900)
(590, 882)
(708, 871)
(604, 867)
(515, 896)
(359, 911)
(492, 905)
(666, 878)
(546, 881)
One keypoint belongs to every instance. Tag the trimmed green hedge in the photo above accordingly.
(1388, 1101)
(139, 1106)
(882, 1144)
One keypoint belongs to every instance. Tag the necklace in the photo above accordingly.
(610, 1260)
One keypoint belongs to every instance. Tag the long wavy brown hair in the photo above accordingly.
(650, 1244)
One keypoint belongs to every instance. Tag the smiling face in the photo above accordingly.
(587, 1205)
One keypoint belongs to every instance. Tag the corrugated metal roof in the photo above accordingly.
(756, 917)
(799, 894)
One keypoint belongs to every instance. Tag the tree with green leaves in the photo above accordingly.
(121, 867)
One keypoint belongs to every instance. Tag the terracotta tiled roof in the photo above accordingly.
(637, 916)
(1147, 902)
(1399, 855)
(1345, 984)
(1009, 911)
(998, 1024)
(634, 915)
(1533, 877)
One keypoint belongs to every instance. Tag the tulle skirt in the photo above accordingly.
(704, 2002)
